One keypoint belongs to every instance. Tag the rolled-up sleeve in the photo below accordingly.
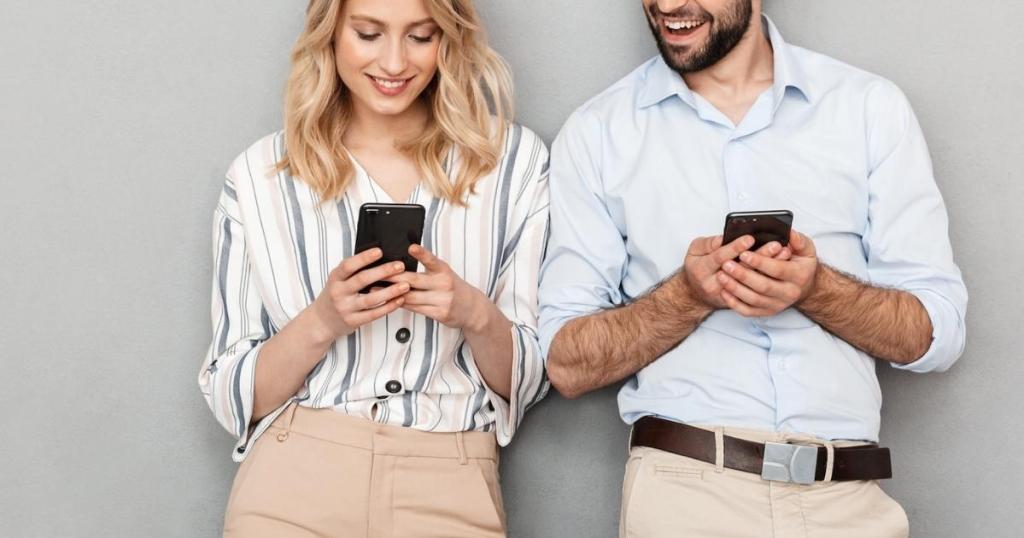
(240, 325)
(907, 240)
(586, 257)
(516, 288)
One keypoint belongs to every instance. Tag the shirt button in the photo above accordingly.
(743, 196)
(402, 335)
(241, 450)
(394, 387)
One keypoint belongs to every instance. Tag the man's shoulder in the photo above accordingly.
(831, 76)
(621, 96)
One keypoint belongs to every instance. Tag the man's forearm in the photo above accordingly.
(887, 324)
(597, 350)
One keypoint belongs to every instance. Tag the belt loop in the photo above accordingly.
(629, 440)
(719, 450)
(460, 442)
(830, 461)
(289, 416)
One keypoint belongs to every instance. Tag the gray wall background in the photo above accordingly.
(119, 119)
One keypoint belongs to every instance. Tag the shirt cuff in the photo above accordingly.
(947, 335)
(529, 384)
(549, 330)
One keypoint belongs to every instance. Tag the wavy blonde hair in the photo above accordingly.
(470, 103)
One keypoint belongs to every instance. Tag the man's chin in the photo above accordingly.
(679, 59)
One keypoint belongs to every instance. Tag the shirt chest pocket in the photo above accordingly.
(825, 188)
(827, 191)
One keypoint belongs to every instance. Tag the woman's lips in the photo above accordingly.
(389, 86)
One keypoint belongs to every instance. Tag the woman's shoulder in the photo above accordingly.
(519, 137)
(258, 161)
(525, 151)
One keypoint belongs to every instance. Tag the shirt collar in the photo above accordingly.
(663, 82)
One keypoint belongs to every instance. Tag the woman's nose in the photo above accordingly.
(393, 61)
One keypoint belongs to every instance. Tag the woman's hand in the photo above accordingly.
(443, 296)
(341, 309)
(289, 356)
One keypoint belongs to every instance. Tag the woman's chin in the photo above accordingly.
(385, 105)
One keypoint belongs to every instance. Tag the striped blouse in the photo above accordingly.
(275, 242)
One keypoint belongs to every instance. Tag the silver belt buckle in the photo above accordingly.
(789, 463)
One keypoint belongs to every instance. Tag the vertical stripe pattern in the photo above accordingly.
(274, 245)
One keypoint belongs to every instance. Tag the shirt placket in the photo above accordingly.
(737, 173)
(400, 326)
(393, 384)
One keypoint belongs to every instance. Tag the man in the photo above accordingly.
(751, 375)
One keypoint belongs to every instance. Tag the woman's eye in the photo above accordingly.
(367, 37)
(422, 39)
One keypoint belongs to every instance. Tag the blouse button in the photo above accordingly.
(403, 335)
(394, 387)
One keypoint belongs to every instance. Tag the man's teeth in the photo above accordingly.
(683, 25)
(390, 84)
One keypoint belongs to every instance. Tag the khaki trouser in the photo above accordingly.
(667, 495)
(323, 473)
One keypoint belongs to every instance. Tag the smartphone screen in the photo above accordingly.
(765, 226)
(392, 228)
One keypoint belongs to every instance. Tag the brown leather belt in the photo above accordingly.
(773, 461)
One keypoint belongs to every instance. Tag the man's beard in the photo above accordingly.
(726, 33)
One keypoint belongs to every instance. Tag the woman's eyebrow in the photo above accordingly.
(366, 18)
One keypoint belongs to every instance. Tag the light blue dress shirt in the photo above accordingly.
(645, 167)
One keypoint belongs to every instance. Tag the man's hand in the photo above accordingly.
(705, 260)
(763, 286)
(603, 348)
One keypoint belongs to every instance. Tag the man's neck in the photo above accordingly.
(742, 74)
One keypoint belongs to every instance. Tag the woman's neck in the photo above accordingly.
(370, 129)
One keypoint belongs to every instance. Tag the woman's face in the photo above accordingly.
(386, 53)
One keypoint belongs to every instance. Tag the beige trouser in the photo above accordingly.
(667, 495)
(323, 473)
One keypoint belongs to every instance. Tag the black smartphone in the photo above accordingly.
(765, 226)
(392, 228)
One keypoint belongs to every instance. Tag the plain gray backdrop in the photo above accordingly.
(119, 119)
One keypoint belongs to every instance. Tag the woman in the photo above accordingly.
(379, 414)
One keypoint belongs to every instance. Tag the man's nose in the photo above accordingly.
(668, 6)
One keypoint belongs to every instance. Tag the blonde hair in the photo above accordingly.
(470, 104)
